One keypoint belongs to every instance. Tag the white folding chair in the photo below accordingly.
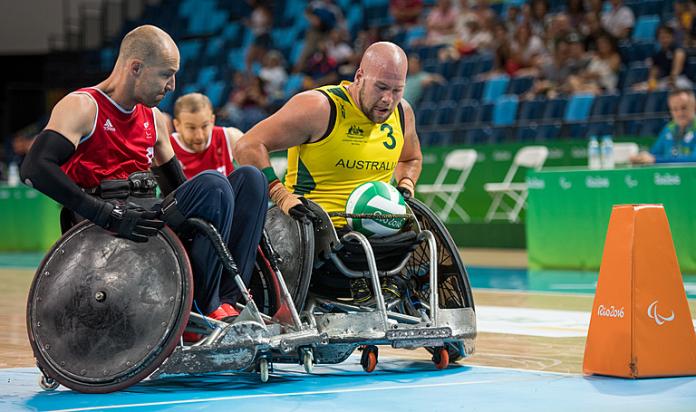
(532, 157)
(624, 151)
(461, 160)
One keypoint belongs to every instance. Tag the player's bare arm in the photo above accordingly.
(408, 168)
(73, 117)
(304, 118)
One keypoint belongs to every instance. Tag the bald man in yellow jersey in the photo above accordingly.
(339, 137)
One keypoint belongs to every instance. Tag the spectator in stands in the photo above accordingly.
(676, 142)
(592, 29)
(247, 102)
(260, 23)
(513, 18)
(321, 68)
(601, 74)
(273, 74)
(482, 12)
(683, 22)
(338, 47)
(523, 54)
(536, 14)
(575, 10)
(405, 13)
(569, 59)
(559, 28)
(474, 37)
(595, 6)
(667, 65)
(465, 13)
(618, 20)
(418, 80)
(441, 23)
(528, 47)
(341, 51)
(322, 19)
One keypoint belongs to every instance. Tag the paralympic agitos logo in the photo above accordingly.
(659, 319)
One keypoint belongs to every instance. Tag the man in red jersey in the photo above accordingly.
(97, 137)
(198, 143)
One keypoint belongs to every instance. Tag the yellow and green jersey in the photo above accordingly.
(354, 150)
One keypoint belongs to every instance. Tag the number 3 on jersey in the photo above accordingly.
(390, 135)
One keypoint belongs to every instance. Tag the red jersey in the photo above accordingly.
(121, 142)
(216, 156)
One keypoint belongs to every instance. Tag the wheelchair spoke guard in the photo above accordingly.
(104, 312)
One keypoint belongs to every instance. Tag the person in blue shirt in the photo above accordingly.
(677, 140)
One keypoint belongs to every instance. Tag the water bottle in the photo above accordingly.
(13, 174)
(607, 149)
(594, 160)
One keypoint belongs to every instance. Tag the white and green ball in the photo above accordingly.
(376, 198)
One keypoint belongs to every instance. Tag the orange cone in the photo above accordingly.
(640, 325)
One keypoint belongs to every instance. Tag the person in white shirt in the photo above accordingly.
(619, 20)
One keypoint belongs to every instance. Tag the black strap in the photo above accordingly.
(171, 214)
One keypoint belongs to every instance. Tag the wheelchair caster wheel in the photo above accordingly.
(441, 358)
(368, 360)
(308, 361)
(263, 369)
(47, 384)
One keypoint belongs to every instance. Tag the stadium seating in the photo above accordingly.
(505, 111)
(213, 42)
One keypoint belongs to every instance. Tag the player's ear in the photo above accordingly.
(135, 67)
(358, 75)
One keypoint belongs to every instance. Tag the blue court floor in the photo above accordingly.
(397, 385)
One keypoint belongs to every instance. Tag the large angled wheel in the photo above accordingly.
(293, 242)
(454, 288)
(104, 312)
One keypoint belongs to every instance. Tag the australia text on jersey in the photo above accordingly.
(365, 164)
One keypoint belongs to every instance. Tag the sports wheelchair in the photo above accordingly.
(103, 312)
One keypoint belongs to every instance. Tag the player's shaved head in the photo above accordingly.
(147, 43)
(384, 59)
(380, 80)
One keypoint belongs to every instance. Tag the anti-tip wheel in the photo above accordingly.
(441, 358)
(263, 369)
(48, 384)
(308, 361)
(368, 360)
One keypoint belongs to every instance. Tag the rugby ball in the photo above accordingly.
(376, 198)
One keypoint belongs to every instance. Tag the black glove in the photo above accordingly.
(405, 192)
(302, 211)
(131, 222)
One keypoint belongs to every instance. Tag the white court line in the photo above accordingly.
(503, 368)
(280, 395)
(533, 292)
(533, 322)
